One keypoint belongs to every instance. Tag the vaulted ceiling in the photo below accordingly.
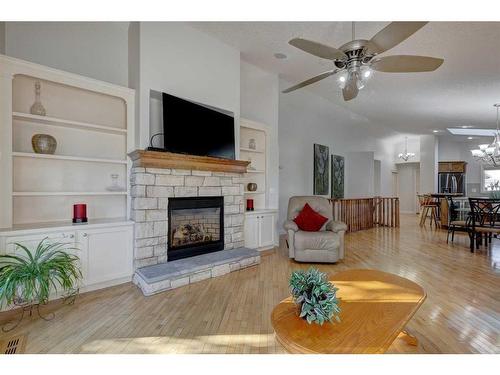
(461, 92)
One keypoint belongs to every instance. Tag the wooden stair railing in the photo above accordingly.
(366, 213)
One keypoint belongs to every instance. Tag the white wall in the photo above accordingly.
(182, 61)
(428, 164)
(2, 37)
(93, 49)
(360, 173)
(377, 176)
(259, 102)
(305, 119)
(385, 153)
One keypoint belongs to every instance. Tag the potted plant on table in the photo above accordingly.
(28, 277)
(315, 296)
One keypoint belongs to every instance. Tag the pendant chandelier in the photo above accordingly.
(489, 154)
(406, 155)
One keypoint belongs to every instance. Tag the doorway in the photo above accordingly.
(407, 186)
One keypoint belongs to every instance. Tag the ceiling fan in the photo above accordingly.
(354, 61)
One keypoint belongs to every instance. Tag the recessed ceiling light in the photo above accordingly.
(435, 131)
(280, 55)
(466, 126)
(469, 138)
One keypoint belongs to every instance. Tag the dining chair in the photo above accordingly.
(484, 220)
(454, 222)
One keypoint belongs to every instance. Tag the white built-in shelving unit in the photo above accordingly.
(260, 224)
(259, 158)
(92, 122)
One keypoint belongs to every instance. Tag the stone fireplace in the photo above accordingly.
(195, 226)
(153, 190)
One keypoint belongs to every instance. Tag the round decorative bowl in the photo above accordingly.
(44, 144)
(252, 186)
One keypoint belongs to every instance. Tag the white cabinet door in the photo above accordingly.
(109, 253)
(266, 224)
(252, 231)
(31, 242)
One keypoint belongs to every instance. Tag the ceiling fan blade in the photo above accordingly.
(318, 49)
(310, 81)
(350, 90)
(393, 34)
(406, 64)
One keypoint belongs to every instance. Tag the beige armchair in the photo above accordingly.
(324, 246)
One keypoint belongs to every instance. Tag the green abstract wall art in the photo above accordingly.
(337, 177)
(321, 169)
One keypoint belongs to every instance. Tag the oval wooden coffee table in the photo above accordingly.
(375, 306)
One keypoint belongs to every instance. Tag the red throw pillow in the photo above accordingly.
(309, 220)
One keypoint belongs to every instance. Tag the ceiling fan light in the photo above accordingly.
(365, 72)
(477, 153)
(483, 147)
(342, 80)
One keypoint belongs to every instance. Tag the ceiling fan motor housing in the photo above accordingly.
(356, 54)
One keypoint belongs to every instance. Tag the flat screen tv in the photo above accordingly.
(190, 128)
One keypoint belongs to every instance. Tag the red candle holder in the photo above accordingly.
(250, 205)
(79, 213)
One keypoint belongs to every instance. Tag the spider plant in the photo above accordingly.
(31, 275)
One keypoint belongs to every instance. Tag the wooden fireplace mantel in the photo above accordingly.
(156, 159)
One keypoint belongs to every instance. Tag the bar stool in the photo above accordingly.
(429, 207)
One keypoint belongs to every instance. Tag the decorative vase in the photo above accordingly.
(251, 144)
(252, 186)
(37, 108)
(114, 183)
(44, 144)
(250, 166)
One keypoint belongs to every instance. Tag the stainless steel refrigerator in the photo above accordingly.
(452, 182)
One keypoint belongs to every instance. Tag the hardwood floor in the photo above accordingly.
(231, 313)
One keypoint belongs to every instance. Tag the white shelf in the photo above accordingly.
(251, 128)
(53, 121)
(255, 171)
(64, 193)
(255, 192)
(251, 150)
(70, 158)
(258, 211)
(64, 225)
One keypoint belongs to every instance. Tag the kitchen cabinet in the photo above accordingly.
(452, 166)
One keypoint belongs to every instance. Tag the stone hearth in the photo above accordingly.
(152, 187)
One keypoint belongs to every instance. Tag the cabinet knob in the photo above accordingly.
(85, 235)
(71, 236)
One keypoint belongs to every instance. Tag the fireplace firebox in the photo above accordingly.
(195, 226)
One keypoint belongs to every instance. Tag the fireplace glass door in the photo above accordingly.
(195, 226)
